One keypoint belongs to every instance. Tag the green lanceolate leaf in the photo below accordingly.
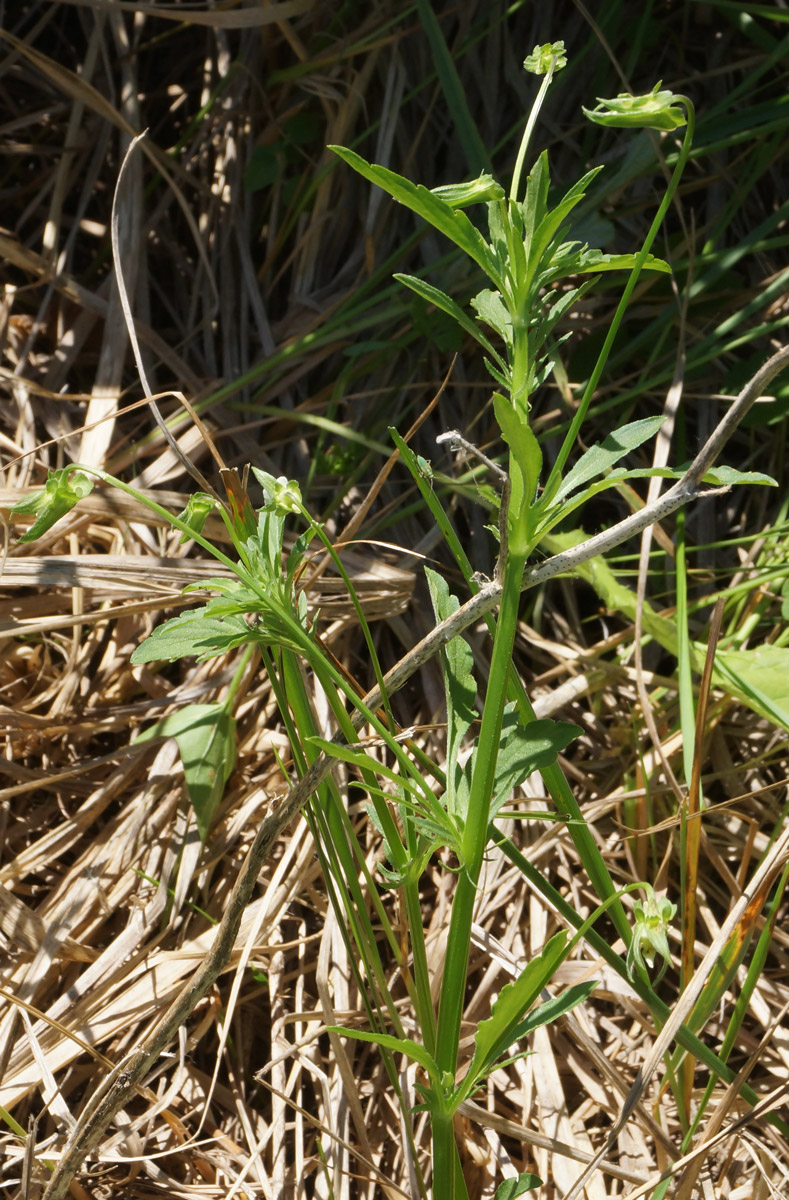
(525, 461)
(600, 458)
(63, 489)
(730, 477)
(595, 261)
(206, 737)
(442, 216)
(506, 1022)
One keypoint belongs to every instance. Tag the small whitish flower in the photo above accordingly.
(542, 58)
(656, 110)
(652, 918)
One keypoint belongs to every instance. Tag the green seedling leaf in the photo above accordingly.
(511, 1188)
(454, 225)
(447, 305)
(602, 457)
(655, 110)
(63, 489)
(206, 737)
(193, 633)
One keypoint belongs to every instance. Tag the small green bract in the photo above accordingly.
(655, 110)
(63, 489)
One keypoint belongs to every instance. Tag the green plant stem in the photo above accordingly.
(531, 122)
(594, 379)
(475, 839)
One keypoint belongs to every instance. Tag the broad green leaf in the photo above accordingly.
(602, 457)
(193, 633)
(731, 477)
(440, 299)
(759, 676)
(596, 261)
(523, 750)
(491, 309)
(206, 737)
(511, 1188)
(453, 224)
(63, 489)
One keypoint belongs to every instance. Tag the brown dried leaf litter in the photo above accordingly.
(102, 922)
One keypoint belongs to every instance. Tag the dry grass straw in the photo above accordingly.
(105, 911)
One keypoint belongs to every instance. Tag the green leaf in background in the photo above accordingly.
(206, 737)
(453, 224)
(602, 457)
(730, 477)
(511, 1188)
(63, 489)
